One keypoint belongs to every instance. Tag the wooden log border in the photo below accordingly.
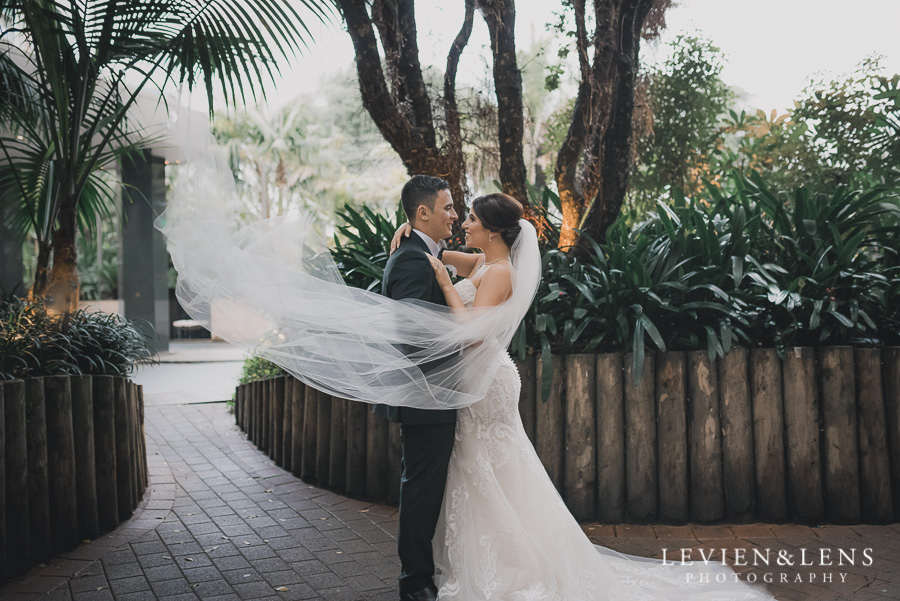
(810, 437)
(73, 463)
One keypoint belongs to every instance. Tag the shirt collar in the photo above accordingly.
(433, 247)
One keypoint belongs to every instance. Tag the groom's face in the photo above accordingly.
(439, 221)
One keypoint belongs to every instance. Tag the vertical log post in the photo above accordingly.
(38, 481)
(738, 470)
(3, 561)
(356, 447)
(528, 396)
(248, 403)
(237, 408)
(876, 503)
(265, 391)
(707, 489)
(18, 541)
(242, 392)
(551, 420)
(248, 409)
(287, 425)
(801, 428)
(133, 444)
(672, 436)
(145, 477)
(276, 448)
(581, 436)
(376, 456)
(641, 474)
(259, 412)
(610, 439)
(297, 427)
(105, 451)
(61, 464)
(891, 380)
(123, 451)
(85, 458)
(310, 424)
(842, 502)
(768, 434)
(323, 440)
(337, 461)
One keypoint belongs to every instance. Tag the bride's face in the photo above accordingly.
(477, 236)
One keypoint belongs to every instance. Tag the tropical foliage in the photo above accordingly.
(34, 342)
(316, 155)
(755, 268)
(70, 74)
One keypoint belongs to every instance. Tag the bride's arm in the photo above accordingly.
(465, 263)
(495, 287)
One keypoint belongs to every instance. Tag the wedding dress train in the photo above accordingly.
(505, 534)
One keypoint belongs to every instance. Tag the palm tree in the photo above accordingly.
(71, 70)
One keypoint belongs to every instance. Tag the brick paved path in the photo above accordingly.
(222, 522)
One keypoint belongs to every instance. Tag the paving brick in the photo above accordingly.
(160, 573)
(241, 576)
(101, 595)
(203, 574)
(129, 585)
(254, 590)
(137, 596)
(214, 588)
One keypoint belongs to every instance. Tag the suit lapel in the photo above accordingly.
(413, 243)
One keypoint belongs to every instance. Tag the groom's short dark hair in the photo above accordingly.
(421, 190)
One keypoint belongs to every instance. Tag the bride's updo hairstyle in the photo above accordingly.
(499, 213)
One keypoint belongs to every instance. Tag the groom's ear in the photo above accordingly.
(422, 212)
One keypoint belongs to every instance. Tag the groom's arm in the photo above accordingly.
(411, 277)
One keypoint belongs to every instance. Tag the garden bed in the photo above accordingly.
(811, 437)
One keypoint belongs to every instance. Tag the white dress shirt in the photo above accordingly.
(435, 248)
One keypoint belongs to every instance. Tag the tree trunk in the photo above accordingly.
(402, 111)
(41, 272)
(453, 146)
(600, 135)
(64, 286)
(615, 147)
(500, 16)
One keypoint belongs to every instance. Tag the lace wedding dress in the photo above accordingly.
(505, 534)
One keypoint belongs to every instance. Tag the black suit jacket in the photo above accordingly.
(408, 274)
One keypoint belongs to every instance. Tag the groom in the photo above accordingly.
(426, 435)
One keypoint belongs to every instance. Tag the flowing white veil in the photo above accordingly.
(273, 288)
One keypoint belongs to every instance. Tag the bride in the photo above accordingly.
(504, 533)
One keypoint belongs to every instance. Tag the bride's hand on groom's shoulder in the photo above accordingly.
(402, 232)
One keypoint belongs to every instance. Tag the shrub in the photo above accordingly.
(34, 342)
(257, 368)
